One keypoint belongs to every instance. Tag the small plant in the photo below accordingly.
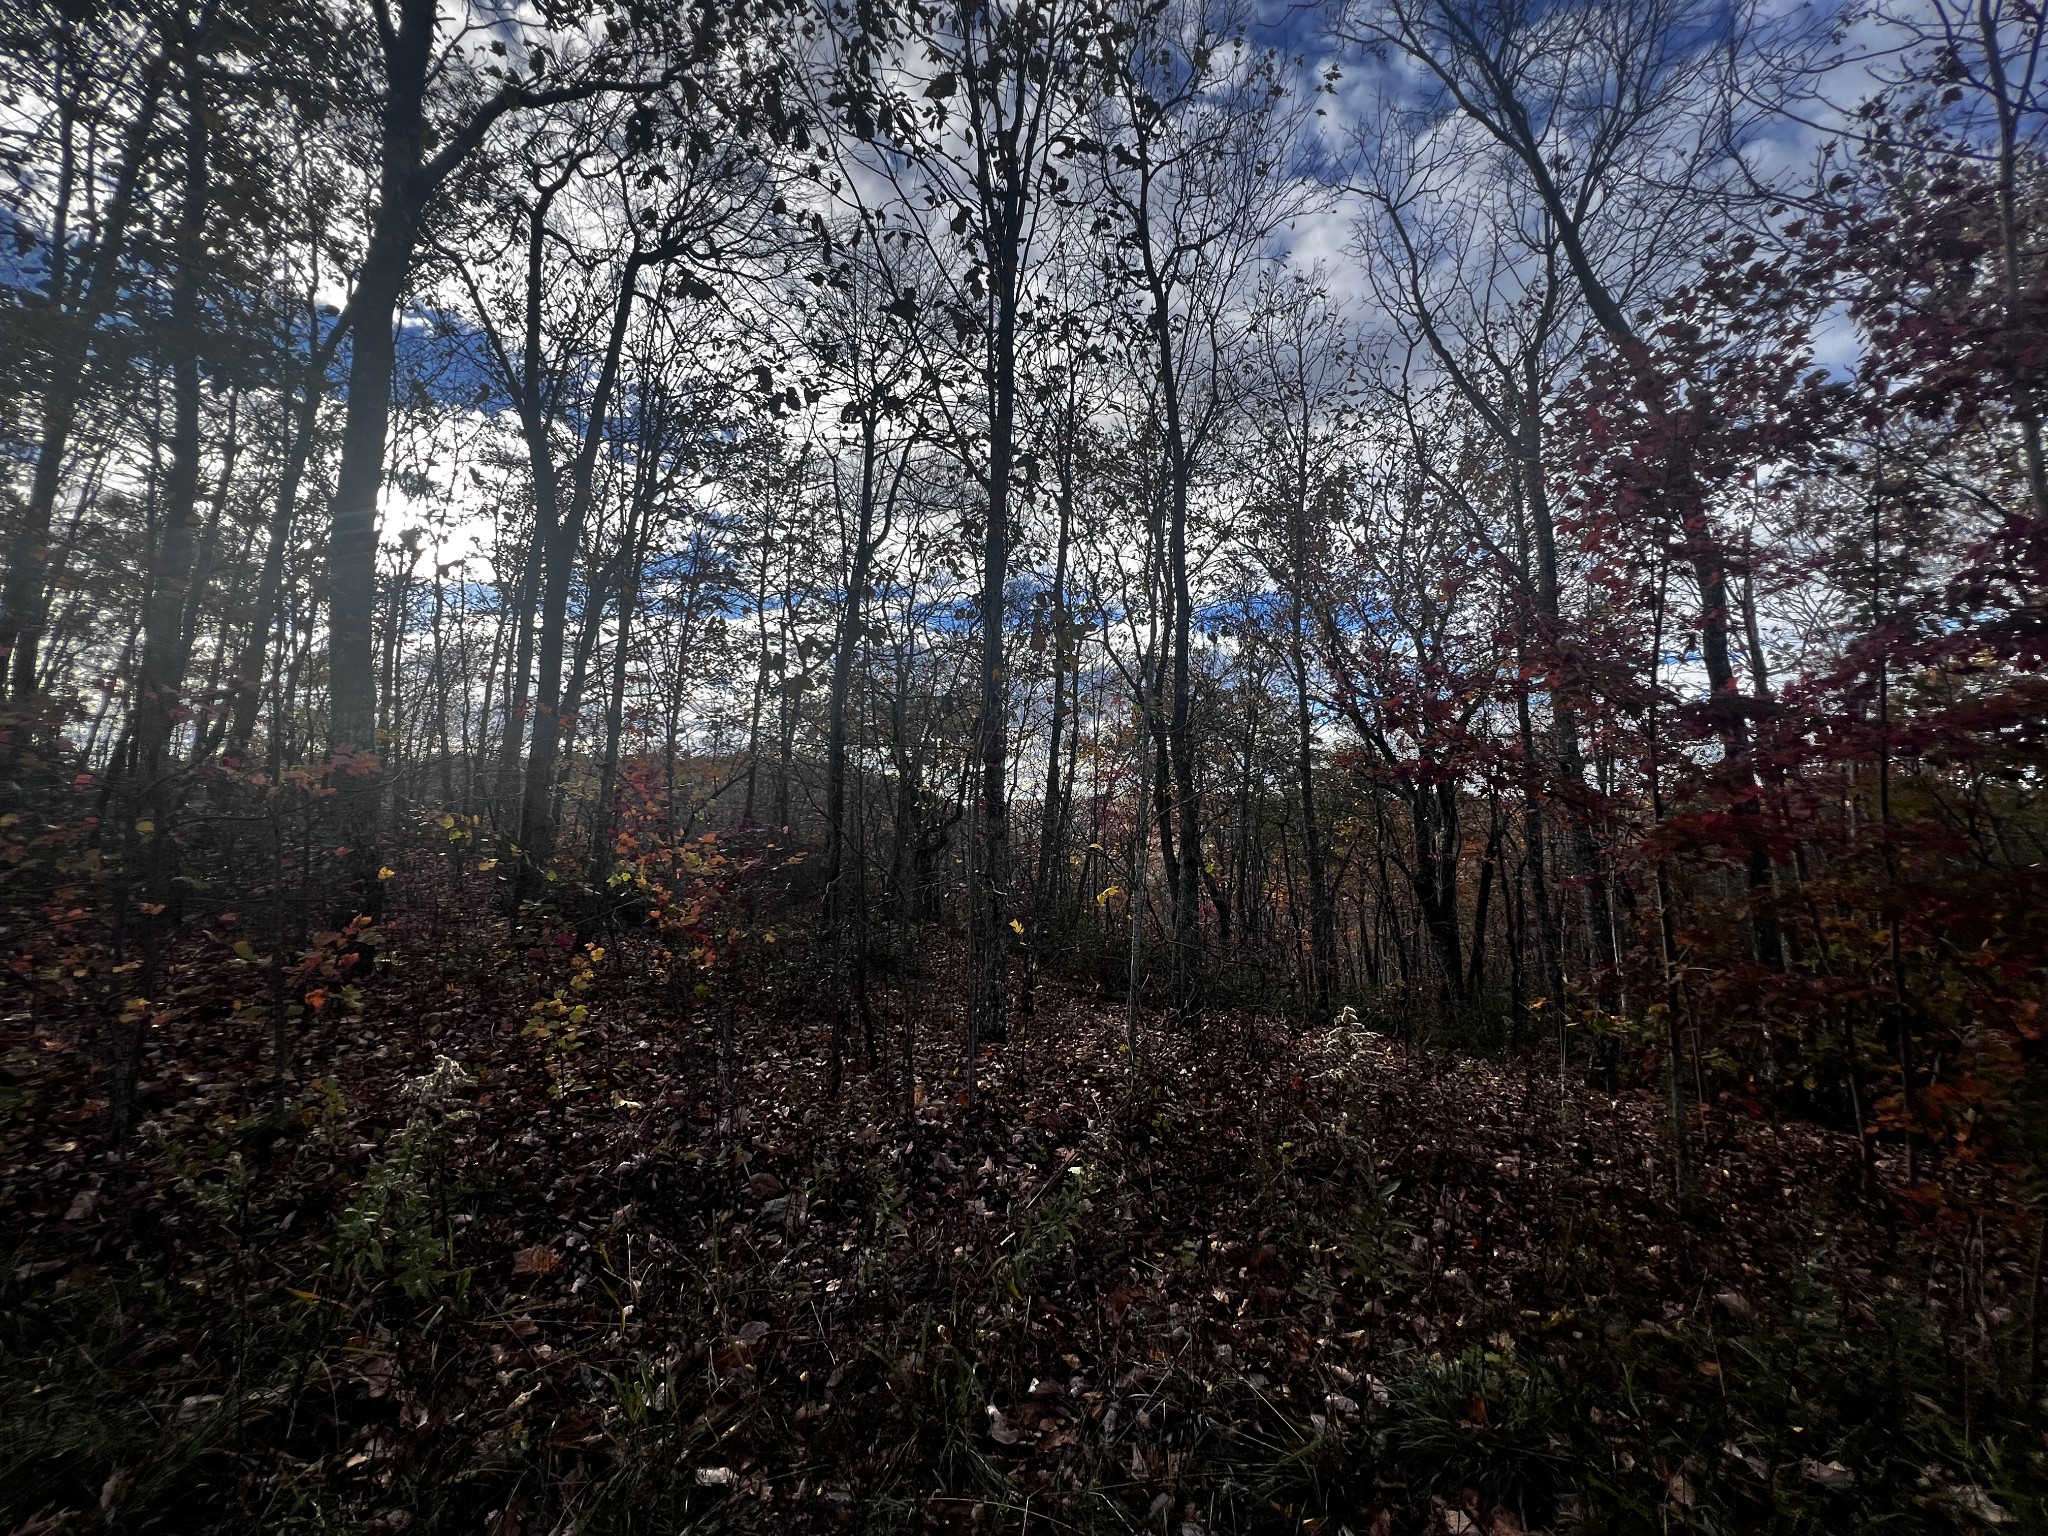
(394, 1225)
(556, 1023)
(1488, 1420)
(1045, 1233)
(1378, 1230)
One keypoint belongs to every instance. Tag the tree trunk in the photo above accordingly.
(1565, 753)
(558, 551)
(23, 600)
(838, 909)
(301, 419)
(988, 1017)
(1052, 840)
(1322, 932)
(165, 639)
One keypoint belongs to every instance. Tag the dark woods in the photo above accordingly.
(1208, 635)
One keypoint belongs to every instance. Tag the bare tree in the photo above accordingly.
(1193, 145)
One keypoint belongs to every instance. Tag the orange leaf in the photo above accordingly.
(538, 1260)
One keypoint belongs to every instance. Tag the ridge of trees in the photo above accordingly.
(1439, 512)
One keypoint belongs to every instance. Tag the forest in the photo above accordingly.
(1187, 766)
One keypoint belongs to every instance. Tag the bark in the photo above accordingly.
(1187, 893)
(1322, 906)
(641, 537)
(1433, 814)
(301, 420)
(536, 425)
(838, 909)
(1587, 867)
(166, 642)
(24, 599)
(407, 185)
(1052, 829)
(990, 875)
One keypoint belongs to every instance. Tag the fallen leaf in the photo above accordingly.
(539, 1260)
(1976, 1504)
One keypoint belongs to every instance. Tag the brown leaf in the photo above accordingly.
(538, 1260)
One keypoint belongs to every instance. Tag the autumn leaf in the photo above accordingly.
(538, 1260)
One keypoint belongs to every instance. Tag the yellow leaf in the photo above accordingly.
(1017, 928)
(486, 864)
(385, 872)
(145, 826)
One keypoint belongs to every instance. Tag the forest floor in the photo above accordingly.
(489, 1276)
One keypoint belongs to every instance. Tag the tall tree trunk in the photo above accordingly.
(1187, 888)
(1586, 865)
(988, 1018)
(1322, 928)
(301, 419)
(1187, 895)
(1489, 864)
(641, 535)
(402, 192)
(145, 836)
(165, 639)
(536, 427)
(1433, 811)
(352, 556)
(24, 598)
(1052, 839)
(536, 822)
(839, 905)
(1141, 858)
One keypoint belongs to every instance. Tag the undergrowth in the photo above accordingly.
(1311, 1283)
